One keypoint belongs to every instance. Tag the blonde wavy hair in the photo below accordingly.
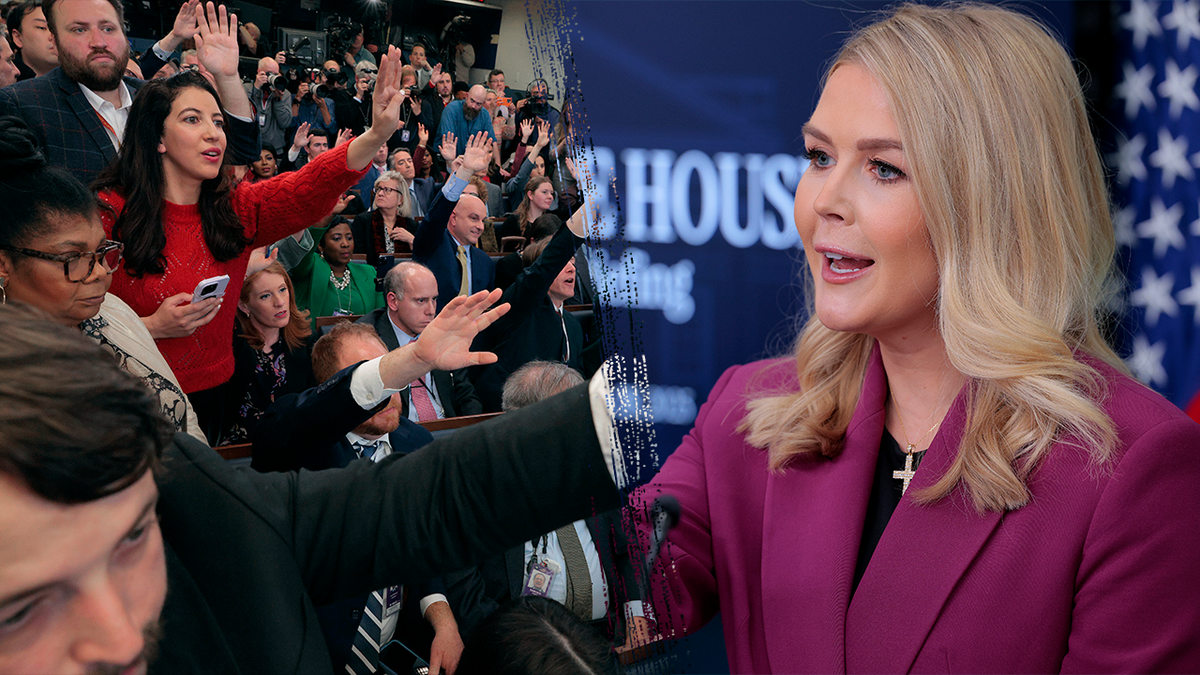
(993, 124)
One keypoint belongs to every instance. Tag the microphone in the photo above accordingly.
(665, 516)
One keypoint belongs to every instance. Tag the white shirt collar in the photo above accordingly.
(98, 103)
(383, 446)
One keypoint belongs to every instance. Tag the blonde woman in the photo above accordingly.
(953, 472)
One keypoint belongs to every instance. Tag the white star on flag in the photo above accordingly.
(1142, 20)
(1191, 295)
(1180, 87)
(1163, 227)
(1146, 361)
(1171, 157)
(1123, 225)
(1135, 89)
(1128, 159)
(1185, 20)
(1155, 295)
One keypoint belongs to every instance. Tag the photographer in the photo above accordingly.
(315, 111)
(347, 108)
(413, 112)
(357, 53)
(272, 104)
(536, 107)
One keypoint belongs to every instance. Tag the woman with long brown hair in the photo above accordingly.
(183, 221)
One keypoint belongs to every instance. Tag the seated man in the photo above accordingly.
(412, 293)
(313, 431)
(578, 560)
(446, 241)
(420, 190)
(537, 327)
(100, 510)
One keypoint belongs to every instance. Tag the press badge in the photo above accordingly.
(405, 135)
(262, 119)
(395, 599)
(541, 573)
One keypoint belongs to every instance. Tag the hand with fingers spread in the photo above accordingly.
(543, 138)
(478, 154)
(447, 339)
(526, 130)
(449, 148)
(422, 134)
(343, 136)
(216, 41)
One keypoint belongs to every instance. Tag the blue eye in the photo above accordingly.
(886, 172)
(818, 158)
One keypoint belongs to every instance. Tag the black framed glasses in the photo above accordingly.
(387, 190)
(78, 266)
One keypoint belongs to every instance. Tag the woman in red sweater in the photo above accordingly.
(182, 220)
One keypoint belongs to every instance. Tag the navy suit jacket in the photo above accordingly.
(308, 430)
(532, 329)
(69, 131)
(436, 249)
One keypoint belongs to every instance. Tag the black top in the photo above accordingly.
(885, 497)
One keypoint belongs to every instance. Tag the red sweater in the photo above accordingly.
(269, 211)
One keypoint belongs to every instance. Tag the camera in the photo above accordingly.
(278, 83)
(340, 34)
(414, 91)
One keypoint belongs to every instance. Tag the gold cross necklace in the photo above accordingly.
(909, 470)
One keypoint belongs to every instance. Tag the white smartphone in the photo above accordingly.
(213, 287)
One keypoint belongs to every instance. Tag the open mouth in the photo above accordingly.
(845, 265)
(212, 155)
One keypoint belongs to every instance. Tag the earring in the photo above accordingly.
(3, 295)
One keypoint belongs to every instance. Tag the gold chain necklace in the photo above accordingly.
(906, 475)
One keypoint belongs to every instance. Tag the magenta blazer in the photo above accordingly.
(1099, 573)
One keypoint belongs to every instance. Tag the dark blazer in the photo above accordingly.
(249, 554)
(308, 430)
(436, 249)
(425, 188)
(297, 362)
(455, 391)
(531, 329)
(1096, 574)
(69, 132)
(476, 592)
(368, 238)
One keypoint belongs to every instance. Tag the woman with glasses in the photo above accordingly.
(54, 256)
(387, 228)
(183, 221)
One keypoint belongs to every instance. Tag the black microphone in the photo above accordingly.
(665, 516)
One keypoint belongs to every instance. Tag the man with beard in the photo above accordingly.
(462, 119)
(78, 111)
(100, 509)
(8, 69)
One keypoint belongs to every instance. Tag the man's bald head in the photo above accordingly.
(473, 103)
(268, 65)
(466, 222)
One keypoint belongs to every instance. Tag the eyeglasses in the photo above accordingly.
(386, 190)
(78, 266)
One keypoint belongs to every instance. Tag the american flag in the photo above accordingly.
(1157, 190)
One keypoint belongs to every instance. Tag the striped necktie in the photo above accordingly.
(364, 652)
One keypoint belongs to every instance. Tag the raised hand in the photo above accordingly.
(449, 147)
(526, 130)
(259, 260)
(216, 43)
(301, 138)
(343, 136)
(445, 343)
(422, 134)
(478, 152)
(184, 26)
(543, 135)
